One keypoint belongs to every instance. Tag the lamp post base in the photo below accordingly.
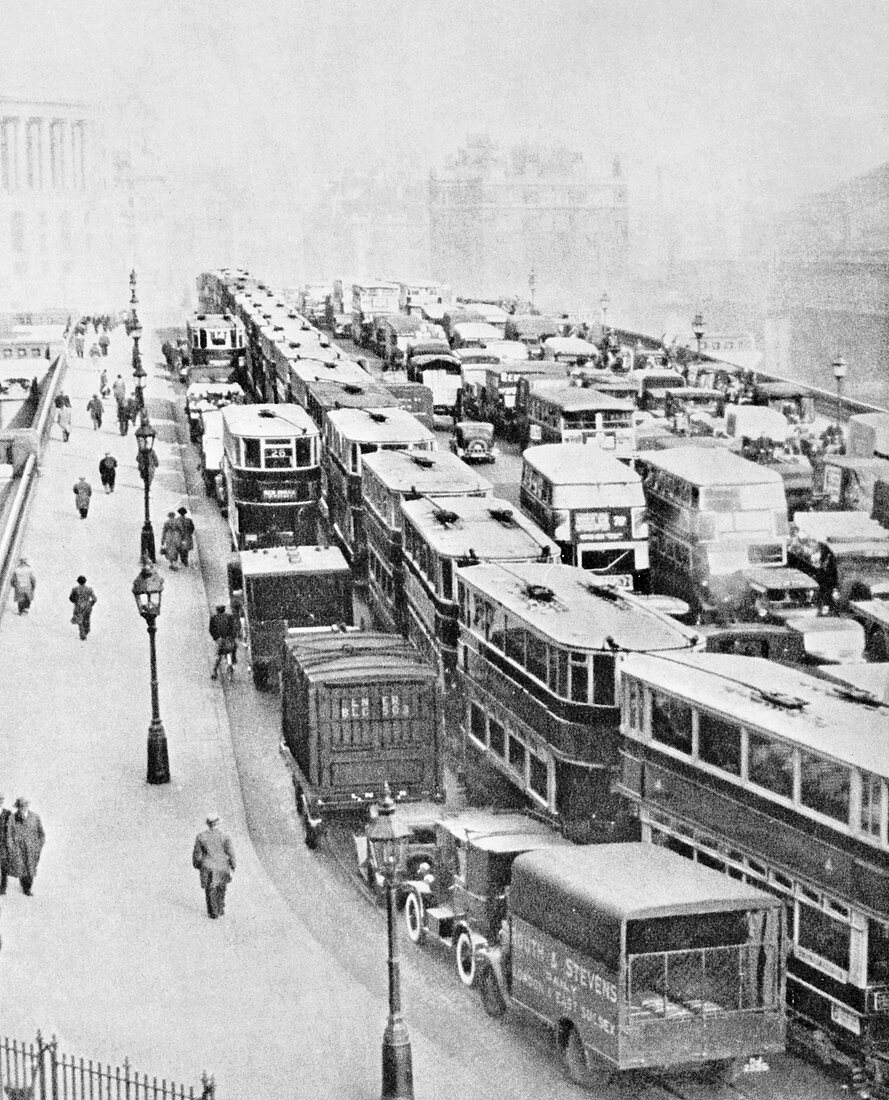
(158, 760)
(398, 1073)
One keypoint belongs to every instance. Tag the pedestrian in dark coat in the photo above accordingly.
(78, 345)
(119, 389)
(24, 585)
(186, 534)
(5, 815)
(123, 416)
(84, 599)
(104, 341)
(104, 388)
(24, 843)
(63, 418)
(214, 856)
(171, 540)
(108, 471)
(132, 409)
(96, 410)
(82, 493)
(224, 630)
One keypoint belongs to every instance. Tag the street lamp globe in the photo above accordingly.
(145, 436)
(839, 368)
(697, 326)
(388, 836)
(148, 588)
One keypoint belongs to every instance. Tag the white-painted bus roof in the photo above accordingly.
(431, 472)
(397, 426)
(840, 527)
(574, 398)
(477, 529)
(758, 693)
(292, 559)
(581, 613)
(716, 466)
(578, 464)
(277, 421)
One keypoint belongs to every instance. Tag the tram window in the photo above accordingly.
(279, 454)
(877, 952)
(518, 754)
(537, 774)
(824, 786)
(603, 680)
(536, 656)
(707, 860)
(304, 452)
(871, 805)
(580, 678)
(496, 738)
(635, 708)
(719, 743)
(671, 722)
(823, 936)
(558, 671)
(770, 765)
(477, 723)
(252, 454)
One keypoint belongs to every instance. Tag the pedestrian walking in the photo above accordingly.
(132, 409)
(23, 844)
(186, 534)
(119, 389)
(96, 410)
(61, 399)
(24, 585)
(224, 631)
(63, 419)
(123, 416)
(78, 345)
(84, 599)
(82, 493)
(5, 815)
(104, 341)
(104, 388)
(214, 856)
(95, 351)
(171, 540)
(108, 471)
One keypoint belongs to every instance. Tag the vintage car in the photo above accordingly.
(473, 441)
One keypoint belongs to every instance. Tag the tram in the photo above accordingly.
(216, 348)
(577, 414)
(781, 779)
(271, 466)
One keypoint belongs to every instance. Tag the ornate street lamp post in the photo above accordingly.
(604, 303)
(139, 374)
(147, 462)
(697, 327)
(839, 374)
(147, 590)
(388, 836)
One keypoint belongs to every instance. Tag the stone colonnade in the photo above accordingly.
(42, 153)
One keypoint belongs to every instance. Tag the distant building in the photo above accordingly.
(496, 215)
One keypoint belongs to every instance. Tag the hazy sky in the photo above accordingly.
(786, 96)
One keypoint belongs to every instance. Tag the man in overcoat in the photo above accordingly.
(24, 843)
(83, 598)
(214, 857)
(5, 815)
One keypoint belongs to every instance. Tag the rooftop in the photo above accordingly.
(488, 528)
(276, 421)
(577, 464)
(379, 425)
(435, 472)
(717, 466)
(292, 559)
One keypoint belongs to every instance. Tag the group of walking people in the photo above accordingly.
(177, 537)
(21, 842)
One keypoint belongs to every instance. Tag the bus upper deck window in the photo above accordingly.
(218, 338)
(252, 454)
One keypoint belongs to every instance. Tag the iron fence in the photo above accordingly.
(39, 1071)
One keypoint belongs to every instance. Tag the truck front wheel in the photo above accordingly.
(413, 917)
(465, 958)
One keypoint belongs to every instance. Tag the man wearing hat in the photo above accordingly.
(214, 857)
(24, 585)
(24, 843)
(108, 471)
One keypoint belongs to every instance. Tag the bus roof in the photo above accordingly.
(840, 527)
(792, 705)
(337, 394)
(486, 527)
(578, 464)
(718, 466)
(383, 425)
(567, 604)
(435, 472)
(268, 420)
(624, 882)
(574, 398)
(213, 320)
(500, 831)
(276, 560)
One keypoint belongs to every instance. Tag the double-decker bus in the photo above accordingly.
(388, 478)
(441, 534)
(216, 348)
(593, 506)
(563, 413)
(349, 435)
(271, 466)
(779, 778)
(711, 514)
(371, 299)
(539, 660)
(433, 364)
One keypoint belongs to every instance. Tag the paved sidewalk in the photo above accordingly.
(114, 953)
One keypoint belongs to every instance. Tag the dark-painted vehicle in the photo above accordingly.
(473, 441)
(846, 552)
(459, 898)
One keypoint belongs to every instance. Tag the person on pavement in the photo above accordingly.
(82, 493)
(104, 341)
(95, 352)
(24, 843)
(119, 389)
(96, 410)
(186, 534)
(24, 585)
(123, 416)
(214, 856)
(108, 471)
(104, 388)
(5, 815)
(63, 419)
(78, 345)
(84, 599)
(171, 540)
(224, 631)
